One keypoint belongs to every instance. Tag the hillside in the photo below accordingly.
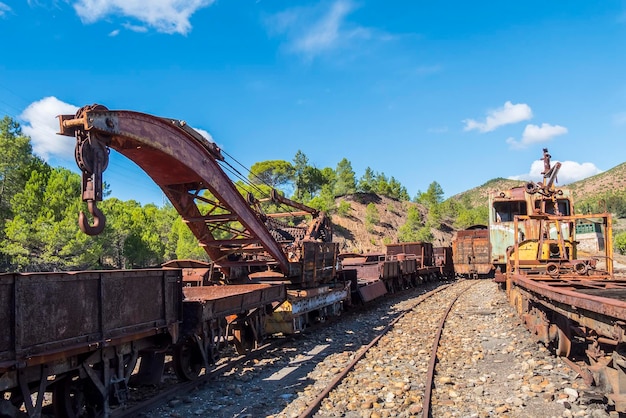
(613, 180)
(591, 188)
(351, 231)
(478, 195)
(353, 235)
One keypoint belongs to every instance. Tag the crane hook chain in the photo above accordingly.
(92, 157)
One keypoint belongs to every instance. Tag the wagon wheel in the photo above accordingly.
(74, 398)
(188, 361)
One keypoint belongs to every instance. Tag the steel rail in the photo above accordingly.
(430, 376)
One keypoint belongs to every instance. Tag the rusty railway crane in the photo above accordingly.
(265, 276)
(235, 233)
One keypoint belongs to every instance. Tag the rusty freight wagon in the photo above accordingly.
(82, 333)
(472, 253)
(422, 253)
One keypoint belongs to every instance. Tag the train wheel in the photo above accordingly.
(188, 361)
(75, 398)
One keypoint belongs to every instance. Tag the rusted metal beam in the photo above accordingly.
(171, 153)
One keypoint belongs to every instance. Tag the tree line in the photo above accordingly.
(39, 205)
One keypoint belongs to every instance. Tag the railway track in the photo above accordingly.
(236, 387)
(486, 364)
(382, 360)
(433, 301)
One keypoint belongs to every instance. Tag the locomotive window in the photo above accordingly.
(563, 204)
(564, 207)
(505, 211)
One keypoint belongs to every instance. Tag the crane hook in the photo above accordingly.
(99, 220)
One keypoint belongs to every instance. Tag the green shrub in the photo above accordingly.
(344, 207)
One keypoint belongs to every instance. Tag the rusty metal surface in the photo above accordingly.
(596, 296)
(389, 269)
(81, 311)
(371, 289)
(366, 265)
(238, 236)
(408, 266)
(6, 316)
(422, 250)
(221, 301)
(471, 252)
(443, 256)
(319, 262)
(181, 162)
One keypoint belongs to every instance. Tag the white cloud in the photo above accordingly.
(535, 134)
(42, 125)
(4, 9)
(508, 114)
(315, 30)
(167, 16)
(570, 172)
(135, 28)
(205, 134)
(114, 33)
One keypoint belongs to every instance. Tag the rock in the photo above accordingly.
(571, 393)
(174, 403)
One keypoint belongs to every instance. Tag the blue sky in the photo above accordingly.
(450, 91)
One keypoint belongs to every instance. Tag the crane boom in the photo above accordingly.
(184, 165)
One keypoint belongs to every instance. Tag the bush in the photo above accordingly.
(372, 218)
(344, 207)
(620, 243)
